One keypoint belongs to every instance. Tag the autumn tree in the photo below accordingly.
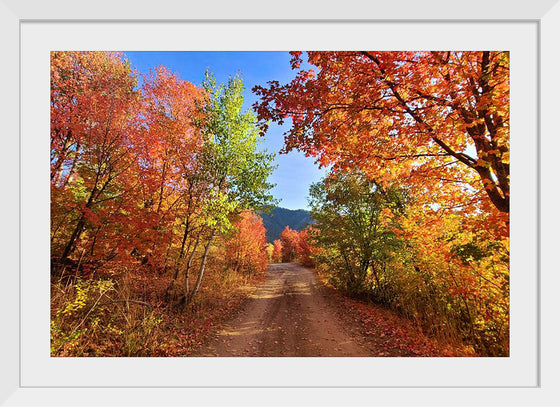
(234, 170)
(170, 145)
(306, 248)
(377, 243)
(246, 249)
(290, 244)
(452, 276)
(150, 174)
(269, 249)
(175, 188)
(434, 125)
(437, 121)
(277, 251)
(93, 147)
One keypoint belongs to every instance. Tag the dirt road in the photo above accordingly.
(287, 316)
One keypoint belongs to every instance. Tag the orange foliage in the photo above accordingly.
(437, 122)
(277, 251)
(305, 249)
(118, 156)
(434, 125)
(142, 195)
(290, 244)
(295, 246)
(246, 249)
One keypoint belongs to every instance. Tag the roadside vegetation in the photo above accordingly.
(414, 214)
(154, 188)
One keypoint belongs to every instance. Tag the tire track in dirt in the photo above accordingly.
(287, 316)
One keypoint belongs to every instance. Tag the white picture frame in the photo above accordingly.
(545, 14)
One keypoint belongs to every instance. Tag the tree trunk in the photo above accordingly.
(94, 241)
(189, 264)
(187, 270)
(79, 227)
(73, 238)
(181, 251)
(201, 270)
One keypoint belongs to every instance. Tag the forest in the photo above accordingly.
(159, 188)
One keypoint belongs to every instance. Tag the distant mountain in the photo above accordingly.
(279, 218)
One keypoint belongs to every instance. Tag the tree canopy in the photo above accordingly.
(435, 121)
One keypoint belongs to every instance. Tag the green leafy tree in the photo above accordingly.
(233, 169)
(353, 217)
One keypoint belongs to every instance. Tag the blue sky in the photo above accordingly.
(295, 172)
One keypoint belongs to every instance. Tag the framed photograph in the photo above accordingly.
(32, 373)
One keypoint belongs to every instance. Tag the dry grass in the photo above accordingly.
(387, 333)
(129, 317)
